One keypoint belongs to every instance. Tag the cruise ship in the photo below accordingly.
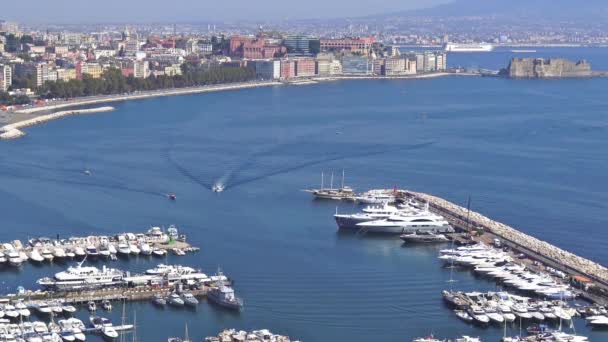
(83, 277)
(474, 47)
(408, 222)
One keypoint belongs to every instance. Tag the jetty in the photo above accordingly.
(13, 131)
(476, 224)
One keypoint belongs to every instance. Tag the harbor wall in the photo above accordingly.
(548, 68)
(570, 262)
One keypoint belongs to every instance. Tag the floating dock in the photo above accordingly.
(472, 222)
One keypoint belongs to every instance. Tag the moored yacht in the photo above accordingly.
(81, 277)
(403, 223)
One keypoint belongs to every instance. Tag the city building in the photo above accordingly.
(93, 70)
(297, 44)
(356, 65)
(288, 69)
(42, 73)
(66, 74)
(173, 70)
(394, 66)
(6, 77)
(268, 70)
(305, 67)
(9, 27)
(140, 69)
(356, 45)
(254, 48)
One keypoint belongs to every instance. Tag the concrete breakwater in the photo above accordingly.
(573, 264)
(12, 131)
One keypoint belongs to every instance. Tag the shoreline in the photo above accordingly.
(20, 118)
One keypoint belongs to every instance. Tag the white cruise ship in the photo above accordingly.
(79, 277)
(473, 47)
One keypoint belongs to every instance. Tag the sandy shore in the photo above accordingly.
(13, 131)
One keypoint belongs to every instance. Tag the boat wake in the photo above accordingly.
(329, 158)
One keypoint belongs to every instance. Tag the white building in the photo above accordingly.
(6, 77)
(140, 69)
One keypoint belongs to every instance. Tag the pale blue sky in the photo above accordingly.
(61, 11)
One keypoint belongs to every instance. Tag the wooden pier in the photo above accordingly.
(481, 228)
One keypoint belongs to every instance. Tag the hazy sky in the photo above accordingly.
(61, 11)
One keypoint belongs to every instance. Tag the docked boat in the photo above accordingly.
(3, 258)
(99, 322)
(68, 308)
(420, 222)
(427, 237)
(463, 315)
(92, 251)
(159, 300)
(83, 277)
(14, 259)
(342, 193)
(109, 333)
(35, 256)
(58, 252)
(106, 305)
(375, 197)
(159, 252)
(47, 254)
(145, 248)
(478, 314)
(175, 300)
(223, 295)
(79, 252)
(370, 213)
(91, 306)
(123, 248)
(104, 251)
(133, 249)
(112, 249)
(189, 299)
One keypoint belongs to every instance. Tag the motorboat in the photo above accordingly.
(402, 223)
(79, 251)
(368, 214)
(172, 196)
(10, 311)
(133, 249)
(99, 322)
(43, 308)
(109, 332)
(92, 251)
(189, 299)
(145, 248)
(159, 252)
(123, 248)
(478, 314)
(112, 249)
(106, 305)
(217, 188)
(175, 300)
(35, 256)
(58, 252)
(104, 251)
(463, 315)
(223, 295)
(159, 300)
(47, 254)
(68, 308)
(494, 315)
(91, 306)
(427, 237)
(14, 259)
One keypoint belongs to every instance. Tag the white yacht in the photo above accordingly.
(58, 252)
(79, 277)
(14, 258)
(402, 223)
(47, 254)
(145, 248)
(375, 197)
(134, 249)
(80, 252)
(370, 213)
(123, 248)
(35, 256)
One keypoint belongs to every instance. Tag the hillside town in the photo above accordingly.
(39, 65)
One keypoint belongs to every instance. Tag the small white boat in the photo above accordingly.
(58, 252)
(10, 311)
(70, 253)
(124, 249)
(134, 249)
(68, 308)
(44, 308)
(92, 251)
(14, 259)
(79, 251)
(106, 305)
(599, 321)
(35, 256)
(159, 252)
(47, 254)
(92, 306)
(109, 332)
(145, 248)
(104, 251)
(112, 249)
(463, 315)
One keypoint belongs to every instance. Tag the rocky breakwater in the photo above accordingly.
(560, 256)
(547, 68)
(13, 131)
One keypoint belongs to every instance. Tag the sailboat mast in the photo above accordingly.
(322, 181)
(134, 326)
(331, 185)
(342, 179)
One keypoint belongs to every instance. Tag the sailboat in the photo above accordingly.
(344, 192)
(177, 339)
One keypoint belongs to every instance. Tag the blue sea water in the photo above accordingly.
(530, 153)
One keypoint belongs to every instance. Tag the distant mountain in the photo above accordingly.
(542, 9)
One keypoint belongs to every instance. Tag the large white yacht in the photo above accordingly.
(408, 222)
(370, 213)
(79, 277)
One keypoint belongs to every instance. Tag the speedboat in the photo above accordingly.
(58, 252)
(478, 314)
(423, 238)
(47, 254)
(79, 251)
(159, 300)
(92, 251)
(106, 305)
(68, 308)
(104, 251)
(176, 300)
(189, 299)
(35, 256)
(99, 322)
(218, 188)
(14, 259)
(112, 249)
(133, 249)
(145, 248)
(171, 196)
(123, 248)
(109, 332)
(463, 316)
(159, 252)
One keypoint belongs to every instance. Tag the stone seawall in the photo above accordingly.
(12, 131)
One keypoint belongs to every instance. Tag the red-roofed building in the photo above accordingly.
(362, 45)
